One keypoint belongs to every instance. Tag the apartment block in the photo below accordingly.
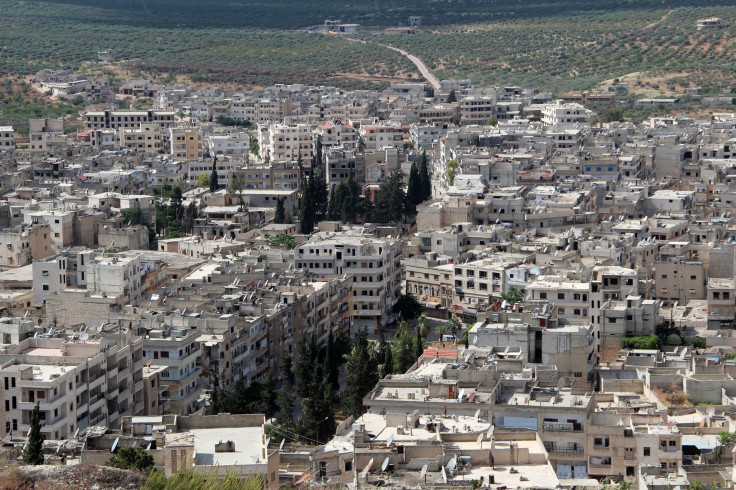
(7, 138)
(116, 119)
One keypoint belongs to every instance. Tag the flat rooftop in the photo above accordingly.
(248, 441)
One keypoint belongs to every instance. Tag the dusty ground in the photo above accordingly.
(77, 477)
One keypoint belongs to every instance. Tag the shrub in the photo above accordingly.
(131, 458)
(699, 343)
(641, 342)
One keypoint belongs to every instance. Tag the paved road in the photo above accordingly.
(419, 63)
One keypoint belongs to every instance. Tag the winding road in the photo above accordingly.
(419, 63)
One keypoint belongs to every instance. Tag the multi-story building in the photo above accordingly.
(116, 119)
(114, 275)
(481, 282)
(7, 138)
(373, 264)
(477, 109)
(146, 137)
(234, 144)
(178, 351)
(430, 279)
(42, 133)
(77, 384)
(561, 113)
(21, 245)
(184, 143)
(287, 143)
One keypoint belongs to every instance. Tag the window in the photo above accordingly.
(543, 295)
(647, 451)
(45, 273)
(560, 295)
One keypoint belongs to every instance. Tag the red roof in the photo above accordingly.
(440, 352)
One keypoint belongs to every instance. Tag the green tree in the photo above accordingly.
(406, 348)
(235, 189)
(213, 176)
(286, 396)
(408, 306)
(452, 97)
(304, 369)
(418, 344)
(203, 180)
(190, 216)
(320, 194)
(424, 179)
(388, 361)
(33, 453)
(318, 416)
(131, 458)
(513, 295)
(612, 114)
(441, 330)
(280, 217)
(452, 167)
(414, 188)
(284, 239)
(332, 363)
(361, 375)
(390, 201)
(492, 121)
(307, 207)
(269, 405)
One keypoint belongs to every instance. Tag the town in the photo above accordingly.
(435, 286)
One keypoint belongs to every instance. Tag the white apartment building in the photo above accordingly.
(481, 282)
(77, 384)
(286, 142)
(570, 297)
(7, 138)
(237, 144)
(49, 275)
(146, 138)
(127, 119)
(225, 169)
(112, 275)
(562, 113)
(177, 350)
(374, 265)
(376, 137)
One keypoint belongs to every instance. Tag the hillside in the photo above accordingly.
(253, 43)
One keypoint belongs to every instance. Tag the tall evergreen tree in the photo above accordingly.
(361, 377)
(418, 347)
(333, 209)
(213, 175)
(390, 201)
(304, 369)
(351, 199)
(424, 179)
(286, 396)
(33, 453)
(452, 97)
(269, 405)
(388, 361)
(406, 349)
(280, 216)
(306, 209)
(332, 364)
(321, 195)
(414, 188)
(190, 215)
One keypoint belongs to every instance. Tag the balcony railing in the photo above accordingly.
(567, 450)
(562, 426)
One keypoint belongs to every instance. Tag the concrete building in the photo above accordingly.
(21, 245)
(7, 138)
(43, 133)
(286, 143)
(372, 263)
(116, 119)
(184, 143)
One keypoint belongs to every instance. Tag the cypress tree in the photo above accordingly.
(361, 378)
(33, 453)
(285, 399)
(419, 347)
(213, 175)
(414, 188)
(452, 97)
(331, 363)
(306, 209)
(388, 361)
(424, 179)
(280, 217)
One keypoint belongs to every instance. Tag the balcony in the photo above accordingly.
(566, 450)
(563, 426)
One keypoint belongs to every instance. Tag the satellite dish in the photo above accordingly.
(390, 439)
(477, 414)
(114, 445)
(268, 440)
(480, 439)
(367, 468)
(281, 446)
(452, 464)
(423, 473)
(76, 433)
(490, 432)
(385, 464)
(84, 336)
(148, 448)
(462, 394)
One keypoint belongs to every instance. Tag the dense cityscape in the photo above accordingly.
(437, 284)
